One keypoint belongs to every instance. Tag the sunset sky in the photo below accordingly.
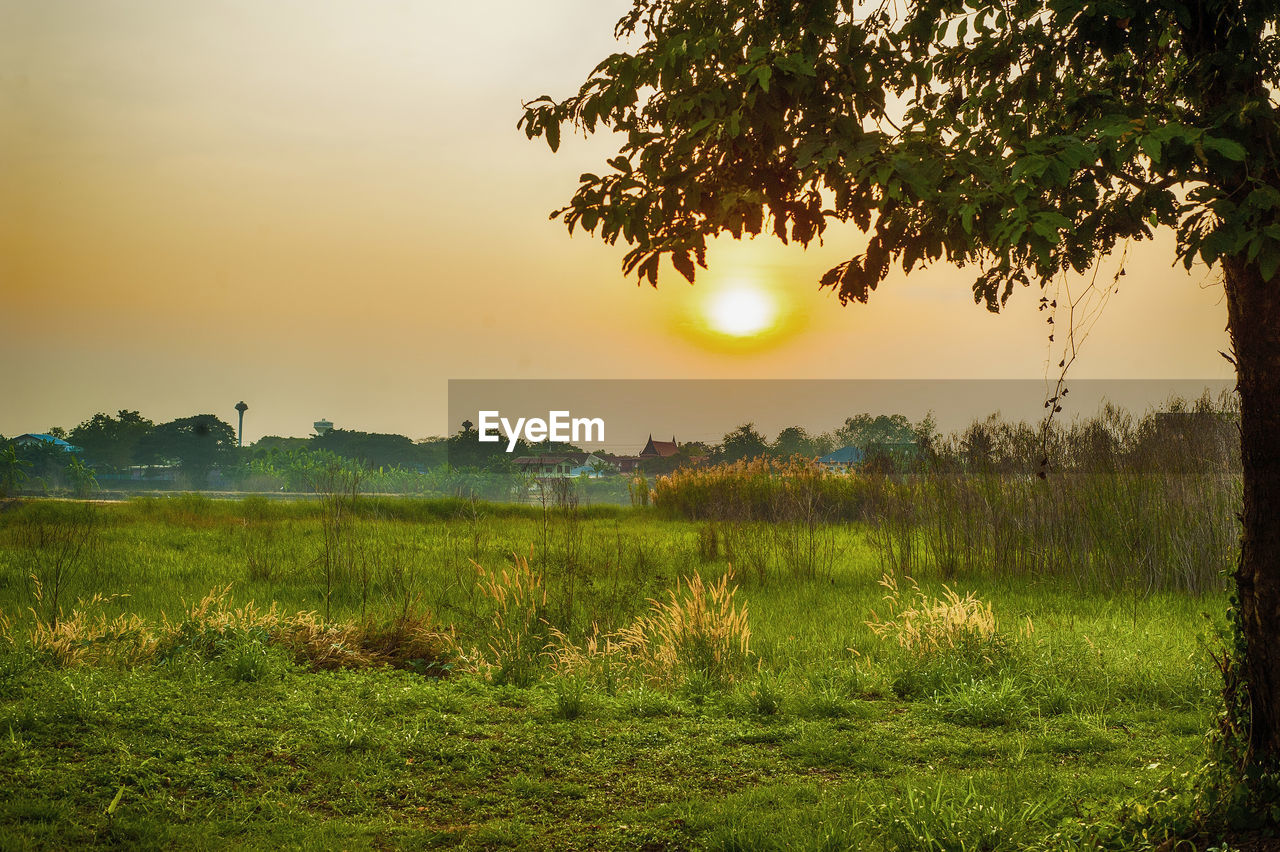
(324, 208)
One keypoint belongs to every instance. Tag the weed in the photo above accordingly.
(62, 542)
(764, 698)
(930, 625)
(249, 658)
(984, 703)
(518, 631)
(947, 819)
(571, 695)
(698, 628)
(646, 703)
(708, 543)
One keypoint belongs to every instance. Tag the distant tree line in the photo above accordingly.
(200, 450)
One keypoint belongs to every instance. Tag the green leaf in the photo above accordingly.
(1269, 262)
(1151, 147)
(1226, 147)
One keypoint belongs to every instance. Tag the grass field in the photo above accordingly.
(990, 713)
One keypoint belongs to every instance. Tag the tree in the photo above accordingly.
(13, 470)
(869, 433)
(434, 451)
(743, 443)
(794, 441)
(466, 451)
(373, 449)
(80, 478)
(111, 441)
(197, 444)
(1027, 137)
(46, 461)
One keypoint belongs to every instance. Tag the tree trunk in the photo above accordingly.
(1253, 312)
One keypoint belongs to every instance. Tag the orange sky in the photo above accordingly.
(325, 209)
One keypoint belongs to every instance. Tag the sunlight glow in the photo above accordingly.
(742, 310)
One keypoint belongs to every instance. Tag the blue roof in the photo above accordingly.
(49, 439)
(844, 455)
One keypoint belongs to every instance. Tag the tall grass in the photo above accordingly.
(215, 625)
(697, 634)
(1145, 531)
(1107, 503)
(761, 489)
(156, 553)
(518, 632)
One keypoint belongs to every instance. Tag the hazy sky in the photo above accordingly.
(324, 208)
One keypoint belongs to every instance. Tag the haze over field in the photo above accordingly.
(325, 209)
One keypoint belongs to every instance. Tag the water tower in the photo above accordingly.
(322, 426)
(242, 408)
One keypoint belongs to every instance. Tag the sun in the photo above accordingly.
(741, 310)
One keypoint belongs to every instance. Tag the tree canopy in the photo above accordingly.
(374, 449)
(197, 444)
(1027, 137)
(744, 442)
(112, 441)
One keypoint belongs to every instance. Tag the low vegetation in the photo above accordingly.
(570, 676)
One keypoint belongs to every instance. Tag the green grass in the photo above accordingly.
(830, 738)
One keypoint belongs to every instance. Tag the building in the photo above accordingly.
(547, 466)
(31, 439)
(842, 460)
(659, 449)
(622, 464)
(593, 467)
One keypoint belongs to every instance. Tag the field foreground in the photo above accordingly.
(806, 709)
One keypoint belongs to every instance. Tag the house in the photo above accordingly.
(659, 449)
(593, 467)
(842, 460)
(547, 466)
(30, 439)
(622, 464)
